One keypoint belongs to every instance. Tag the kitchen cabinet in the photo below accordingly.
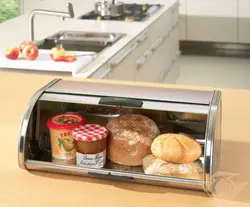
(158, 57)
(172, 74)
(212, 20)
(101, 73)
(150, 53)
(182, 28)
(244, 21)
(123, 64)
(182, 19)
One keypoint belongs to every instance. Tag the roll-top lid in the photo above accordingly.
(132, 91)
(90, 133)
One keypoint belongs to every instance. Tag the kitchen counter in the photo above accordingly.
(22, 188)
(47, 25)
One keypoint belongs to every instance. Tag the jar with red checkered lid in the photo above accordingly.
(90, 145)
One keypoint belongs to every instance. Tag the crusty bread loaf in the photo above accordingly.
(156, 166)
(176, 148)
(130, 138)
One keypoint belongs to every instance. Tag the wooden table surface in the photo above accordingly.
(20, 188)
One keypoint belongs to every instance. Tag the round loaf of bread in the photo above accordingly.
(130, 138)
(176, 148)
(156, 166)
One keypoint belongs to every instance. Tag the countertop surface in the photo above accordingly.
(19, 187)
(48, 25)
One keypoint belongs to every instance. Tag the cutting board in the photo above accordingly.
(44, 62)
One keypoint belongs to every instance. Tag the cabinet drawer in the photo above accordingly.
(144, 43)
(152, 63)
(173, 73)
(101, 73)
(244, 30)
(123, 64)
(160, 25)
(182, 27)
(174, 40)
(124, 70)
(123, 54)
(174, 14)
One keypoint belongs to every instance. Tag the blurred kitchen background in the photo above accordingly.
(214, 38)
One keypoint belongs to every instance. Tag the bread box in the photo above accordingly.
(175, 111)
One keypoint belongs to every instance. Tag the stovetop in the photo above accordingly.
(132, 13)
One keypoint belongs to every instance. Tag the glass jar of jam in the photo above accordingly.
(62, 143)
(90, 144)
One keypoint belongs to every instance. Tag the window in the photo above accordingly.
(8, 9)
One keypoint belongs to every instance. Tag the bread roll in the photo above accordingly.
(176, 148)
(156, 166)
(130, 138)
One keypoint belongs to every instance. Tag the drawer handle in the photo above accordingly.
(174, 8)
(140, 62)
(175, 24)
(123, 56)
(143, 38)
(167, 70)
(106, 73)
(157, 43)
(162, 76)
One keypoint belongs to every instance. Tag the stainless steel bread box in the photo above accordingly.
(194, 112)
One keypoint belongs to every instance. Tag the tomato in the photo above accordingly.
(68, 58)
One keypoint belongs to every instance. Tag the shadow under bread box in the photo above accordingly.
(175, 111)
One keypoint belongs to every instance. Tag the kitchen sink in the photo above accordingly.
(80, 41)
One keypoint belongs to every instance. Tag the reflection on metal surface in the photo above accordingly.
(92, 42)
(214, 49)
(211, 162)
(63, 15)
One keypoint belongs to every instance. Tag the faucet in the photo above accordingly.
(63, 15)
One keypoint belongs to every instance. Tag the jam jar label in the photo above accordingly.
(63, 146)
(91, 160)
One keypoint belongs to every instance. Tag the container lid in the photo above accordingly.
(89, 133)
(68, 121)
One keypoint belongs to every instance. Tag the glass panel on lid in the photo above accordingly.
(124, 139)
